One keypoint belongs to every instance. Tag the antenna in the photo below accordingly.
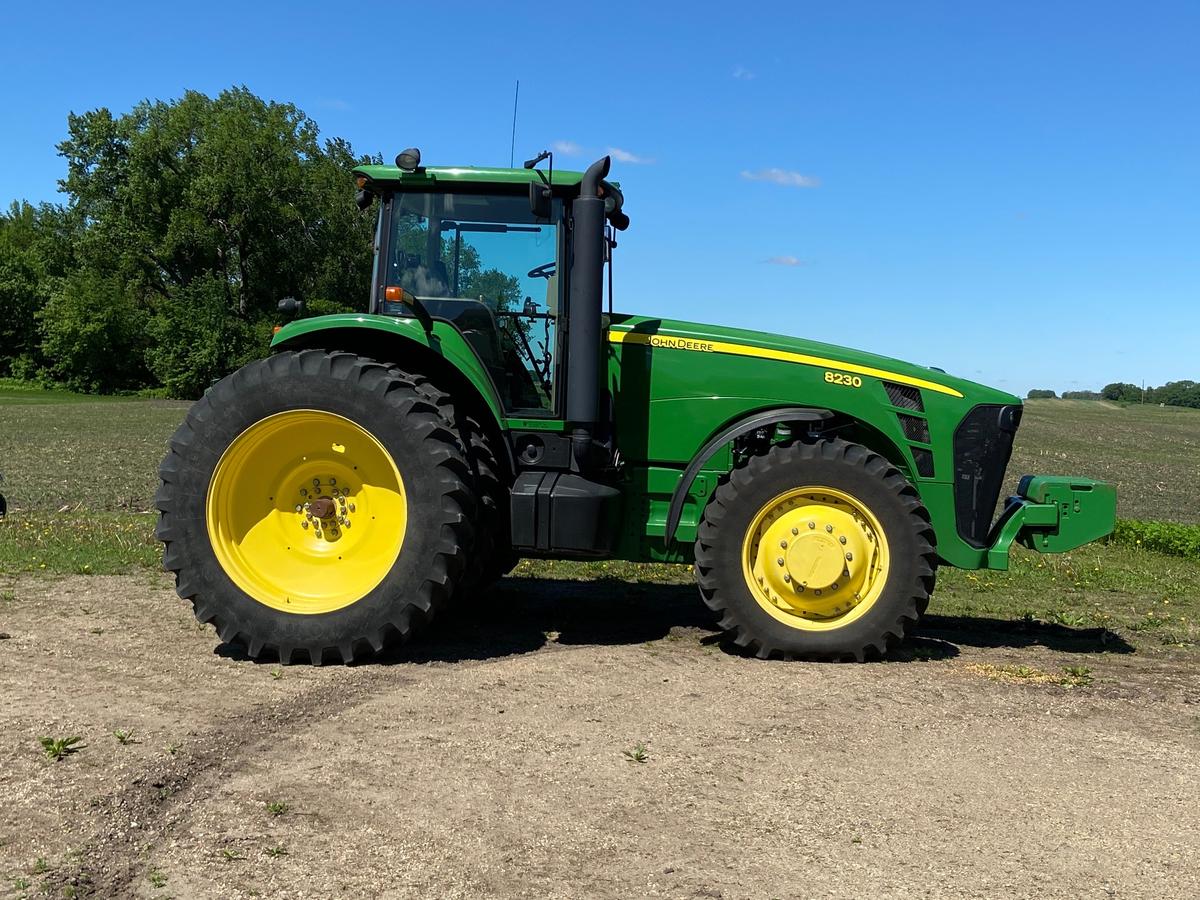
(512, 146)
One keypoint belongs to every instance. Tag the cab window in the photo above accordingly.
(487, 265)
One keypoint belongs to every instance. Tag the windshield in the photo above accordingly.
(471, 247)
(486, 264)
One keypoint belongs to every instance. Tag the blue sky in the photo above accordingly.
(1010, 191)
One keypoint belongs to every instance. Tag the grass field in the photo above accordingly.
(1151, 453)
(80, 479)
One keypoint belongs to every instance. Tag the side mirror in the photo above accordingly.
(290, 306)
(539, 200)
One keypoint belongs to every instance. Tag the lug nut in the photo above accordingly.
(787, 579)
(351, 507)
(850, 557)
(304, 524)
(795, 531)
(812, 524)
(780, 560)
(829, 528)
(299, 508)
(834, 586)
(783, 544)
(303, 492)
(842, 539)
(333, 480)
(316, 482)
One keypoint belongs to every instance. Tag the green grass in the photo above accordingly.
(78, 543)
(85, 454)
(14, 391)
(1149, 599)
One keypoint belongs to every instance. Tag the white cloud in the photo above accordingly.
(784, 177)
(626, 157)
(785, 261)
(741, 73)
(567, 148)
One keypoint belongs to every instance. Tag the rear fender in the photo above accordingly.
(441, 354)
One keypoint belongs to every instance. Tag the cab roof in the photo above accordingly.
(429, 176)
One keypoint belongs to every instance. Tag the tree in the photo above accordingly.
(1176, 393)
(94, 335)
(35, 247)
(1041, 394)
(1121, 391)
(205, 212)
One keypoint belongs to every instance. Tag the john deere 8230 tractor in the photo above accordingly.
(376, 468)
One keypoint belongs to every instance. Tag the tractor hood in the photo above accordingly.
(675, 334)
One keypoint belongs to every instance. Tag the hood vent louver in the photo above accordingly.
(904, 396)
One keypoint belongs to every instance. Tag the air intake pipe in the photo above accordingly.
(583, 323)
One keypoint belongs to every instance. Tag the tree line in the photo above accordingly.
(184, 224)
(1173, 393)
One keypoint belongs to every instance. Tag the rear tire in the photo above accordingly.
(493, 556)
(238, 469)
(816, 551)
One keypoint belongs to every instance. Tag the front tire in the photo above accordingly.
(817, 551)
(316, 504)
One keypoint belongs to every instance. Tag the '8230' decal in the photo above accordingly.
(845, 380)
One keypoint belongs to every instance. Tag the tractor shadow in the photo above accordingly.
(989, 633)
(524, 615)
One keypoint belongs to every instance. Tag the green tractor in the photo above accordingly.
(376, 468)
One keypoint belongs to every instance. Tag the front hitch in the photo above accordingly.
(1053, 514)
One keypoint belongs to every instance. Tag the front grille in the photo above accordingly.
(982, 446)
(915, 429)
(903, 396)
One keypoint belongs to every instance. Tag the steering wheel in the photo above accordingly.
(545, 270)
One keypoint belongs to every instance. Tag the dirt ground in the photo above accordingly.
(489, 761)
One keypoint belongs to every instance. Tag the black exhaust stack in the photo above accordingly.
(584, 305)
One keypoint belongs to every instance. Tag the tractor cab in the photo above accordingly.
(488, 251)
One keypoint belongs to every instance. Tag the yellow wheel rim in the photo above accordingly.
(815, 558)
(306, 511)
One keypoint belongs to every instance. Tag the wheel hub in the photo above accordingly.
(813, 560)
(813, 555)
